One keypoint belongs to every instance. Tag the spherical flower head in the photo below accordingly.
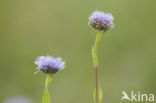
(49, 65)
(101, 21)
(18, 100)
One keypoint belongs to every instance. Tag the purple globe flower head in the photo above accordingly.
(49, 65)
(101, 21)
(18, 100)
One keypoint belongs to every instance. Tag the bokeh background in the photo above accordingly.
(31, 28)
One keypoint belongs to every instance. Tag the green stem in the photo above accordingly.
(46, 96)
(48, 80)
(97, 82)
(96, 66)
(96, 43)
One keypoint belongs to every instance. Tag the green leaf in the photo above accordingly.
(95, 59)
(99, 92)
(46, 98)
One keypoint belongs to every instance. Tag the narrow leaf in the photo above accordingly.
(99, 92)
(46, 98)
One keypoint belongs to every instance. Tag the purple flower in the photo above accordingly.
(101, 21)
(50, 65)
(18, 100)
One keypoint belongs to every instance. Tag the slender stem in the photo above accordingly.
(48, 80)
(97, 82)
(46, 96)
(96, 42)
(96, 67)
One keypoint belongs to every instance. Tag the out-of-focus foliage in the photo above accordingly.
(127, 53)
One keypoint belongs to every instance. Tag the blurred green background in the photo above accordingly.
(31, 28)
